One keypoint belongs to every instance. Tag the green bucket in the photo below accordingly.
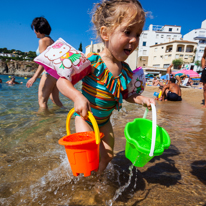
(145, 139)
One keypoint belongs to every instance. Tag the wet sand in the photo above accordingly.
(37, 171)
(178, 177)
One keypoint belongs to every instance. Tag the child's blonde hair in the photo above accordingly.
(110, 13)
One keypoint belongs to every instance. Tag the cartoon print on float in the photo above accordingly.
(137, 85)
(64, 55)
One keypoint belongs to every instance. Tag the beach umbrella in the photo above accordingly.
(191, 73)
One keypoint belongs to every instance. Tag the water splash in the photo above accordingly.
(122, 188)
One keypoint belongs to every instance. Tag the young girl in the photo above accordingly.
(119, 23)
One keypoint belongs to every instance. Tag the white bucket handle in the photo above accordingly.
(154, 124)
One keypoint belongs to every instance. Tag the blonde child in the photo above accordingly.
(119, 23)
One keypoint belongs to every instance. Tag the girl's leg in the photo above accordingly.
(54, 96)
(106, 146)
(81, 125)
(107, 143)
(46, 86)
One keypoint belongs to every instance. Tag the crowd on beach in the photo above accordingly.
(170, 87)
(106, 83)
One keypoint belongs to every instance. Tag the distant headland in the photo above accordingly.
(16, 62)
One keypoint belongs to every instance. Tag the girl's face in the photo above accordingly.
(124, 39)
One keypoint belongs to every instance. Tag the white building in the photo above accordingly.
(6, 55)
(156, 35)
(199, 36)
(162, 55)
(131, 60)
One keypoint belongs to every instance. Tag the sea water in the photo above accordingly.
(34, 167)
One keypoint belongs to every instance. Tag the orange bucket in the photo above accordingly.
(82, 148)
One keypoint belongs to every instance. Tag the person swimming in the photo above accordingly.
(12, 81)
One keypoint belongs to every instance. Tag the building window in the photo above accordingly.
(157, 36)
(161, 57)
(170, 55)
(186, 56)
(162, 36)
(176, 56)
(169, 49)
(170, 29)
(179, 49)
(144, 36)
(144, 52)
(144, 43)
(155, 49)
(168, 36)
(162, 47)
(166, 65)
(155, 57)
(190, 56)
(177, 29)
(98, 50)
(166, 56)
(156, 43)
(156, 65)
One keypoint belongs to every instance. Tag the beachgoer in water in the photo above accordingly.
(171, 91)
(179, 77)
(119, 24)
(203, 76)
(47, 85)
(0, 80)
(12, 81)
(169, 72)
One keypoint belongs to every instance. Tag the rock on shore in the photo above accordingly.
(18, 68)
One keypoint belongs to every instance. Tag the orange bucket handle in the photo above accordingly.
(92, 119)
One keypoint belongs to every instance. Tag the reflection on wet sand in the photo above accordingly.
(36, 172)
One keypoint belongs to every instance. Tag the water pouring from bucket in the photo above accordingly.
(145, 139)
(82, 148)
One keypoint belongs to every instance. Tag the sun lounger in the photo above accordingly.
(184, 83)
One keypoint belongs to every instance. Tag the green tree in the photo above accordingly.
(177, 63)
(80, 47)
(198, 63)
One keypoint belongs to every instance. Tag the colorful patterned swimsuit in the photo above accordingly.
(104, 91)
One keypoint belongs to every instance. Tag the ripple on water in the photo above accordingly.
(34, 168)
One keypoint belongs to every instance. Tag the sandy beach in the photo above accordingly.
(193, 96)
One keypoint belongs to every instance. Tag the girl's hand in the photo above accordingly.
(147, 102)
(82, 106)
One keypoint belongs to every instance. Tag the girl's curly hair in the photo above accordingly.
(110, 13)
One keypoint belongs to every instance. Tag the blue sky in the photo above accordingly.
(71, 19)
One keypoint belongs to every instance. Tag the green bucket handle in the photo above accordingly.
(154, 125)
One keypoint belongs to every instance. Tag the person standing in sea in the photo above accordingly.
(203, 76)
(47, 85)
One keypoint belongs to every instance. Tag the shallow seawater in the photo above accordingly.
(34, 168)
